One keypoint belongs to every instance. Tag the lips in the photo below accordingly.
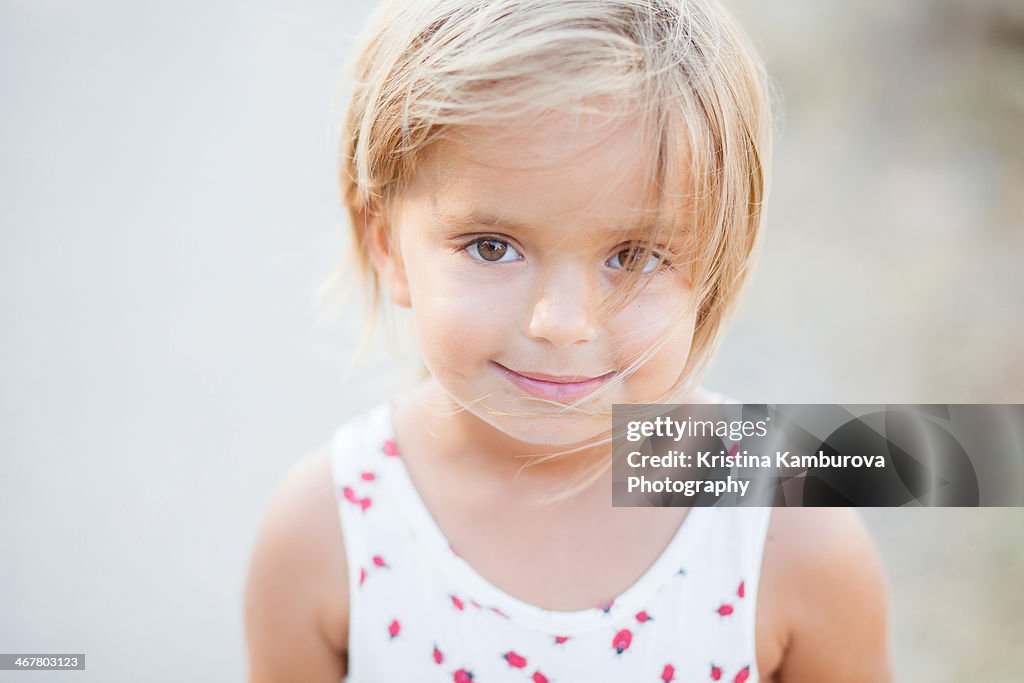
(554, 387)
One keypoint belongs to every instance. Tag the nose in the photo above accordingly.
(564, 310)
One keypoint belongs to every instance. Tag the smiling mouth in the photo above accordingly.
(558, 379)
(554, 387)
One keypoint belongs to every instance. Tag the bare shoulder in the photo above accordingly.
(296, 598)
(826, 598)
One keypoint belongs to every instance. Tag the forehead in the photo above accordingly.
(570, 172)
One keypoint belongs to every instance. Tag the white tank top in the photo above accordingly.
(419, 612)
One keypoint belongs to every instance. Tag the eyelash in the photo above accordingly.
(663, 263)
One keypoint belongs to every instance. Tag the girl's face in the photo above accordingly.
(508, 241)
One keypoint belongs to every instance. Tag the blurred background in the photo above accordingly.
(168, 210)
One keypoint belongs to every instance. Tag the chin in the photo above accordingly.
(568, 429)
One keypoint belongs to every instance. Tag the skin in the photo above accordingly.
(573, 198)
(822, 609)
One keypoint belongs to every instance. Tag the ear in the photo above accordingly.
(387, 259)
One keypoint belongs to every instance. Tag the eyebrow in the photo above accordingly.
(483, 218)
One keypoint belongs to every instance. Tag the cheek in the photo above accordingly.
(460, 320)
(643, 323)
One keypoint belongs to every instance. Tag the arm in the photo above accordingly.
(838, 605)
(296, 592)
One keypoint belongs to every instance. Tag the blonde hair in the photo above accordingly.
(425, 70)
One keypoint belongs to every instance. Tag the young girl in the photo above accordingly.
(568, 196)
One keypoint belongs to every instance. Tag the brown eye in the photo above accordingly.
(631, 259)
(491, 249)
